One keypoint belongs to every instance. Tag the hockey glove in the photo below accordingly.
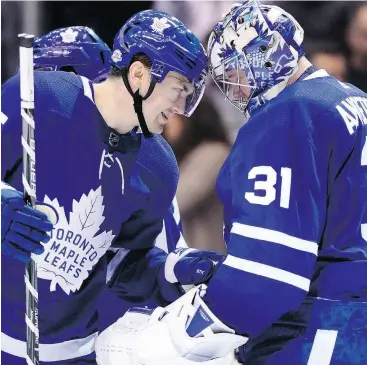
(22, 227)
(189, 266)
(186, 267)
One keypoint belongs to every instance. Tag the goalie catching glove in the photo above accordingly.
(184, 333)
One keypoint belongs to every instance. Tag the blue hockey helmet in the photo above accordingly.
(169, 45)
(253, 52)
(77, 49)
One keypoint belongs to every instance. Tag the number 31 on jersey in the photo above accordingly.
(268, 186)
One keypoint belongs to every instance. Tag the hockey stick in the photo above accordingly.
(29, 184)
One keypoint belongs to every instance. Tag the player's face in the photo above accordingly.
(238, 89)
(168, 98)
(235, 79)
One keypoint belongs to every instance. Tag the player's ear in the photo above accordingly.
(136, 75)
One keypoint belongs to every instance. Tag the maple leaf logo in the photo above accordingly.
(160, 24)
(116, 56)
(74, 247)
(69, 35)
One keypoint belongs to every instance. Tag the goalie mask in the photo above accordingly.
(253, 52)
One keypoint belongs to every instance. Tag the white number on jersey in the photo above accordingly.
(268, 186)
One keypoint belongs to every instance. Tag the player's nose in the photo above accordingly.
(241, 92)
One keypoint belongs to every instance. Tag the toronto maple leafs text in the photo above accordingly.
(64, 257)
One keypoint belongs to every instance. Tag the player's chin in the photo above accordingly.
(157, 127)
(160, 129)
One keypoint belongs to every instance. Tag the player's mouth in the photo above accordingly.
(164, 117)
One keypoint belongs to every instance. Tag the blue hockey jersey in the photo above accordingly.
(109, 190)
(294, 190)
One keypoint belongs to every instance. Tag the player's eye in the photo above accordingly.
(175, 93)
(188, 89)
(233, 77)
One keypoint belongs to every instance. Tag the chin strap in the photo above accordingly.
(138, 107)
(138, 101)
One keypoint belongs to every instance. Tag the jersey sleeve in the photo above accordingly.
(11, 131)
(134, 275)
(275, 215)
(171, 236)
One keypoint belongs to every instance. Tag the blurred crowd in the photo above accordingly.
(335, 40)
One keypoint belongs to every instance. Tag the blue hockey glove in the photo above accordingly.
(188, 266)
(22, 227)
(184, 268)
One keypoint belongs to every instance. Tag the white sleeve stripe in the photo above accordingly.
(161, 240)
(172, 259)
(60, 351)
(181, 242)
(87, 89)
(176, 210)
(268, 272)
(275, 237)
(6, 186)
(323, 347)
(4, 118)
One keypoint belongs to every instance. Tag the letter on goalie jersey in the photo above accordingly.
(294, 195)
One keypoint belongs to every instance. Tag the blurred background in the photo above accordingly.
(335, 40)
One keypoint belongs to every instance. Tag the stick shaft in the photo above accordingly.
(29, 184)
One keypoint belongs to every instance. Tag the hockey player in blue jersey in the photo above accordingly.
(294, 190)
(89, 57)
(96, 205)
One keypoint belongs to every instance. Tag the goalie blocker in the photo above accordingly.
(183, 333)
